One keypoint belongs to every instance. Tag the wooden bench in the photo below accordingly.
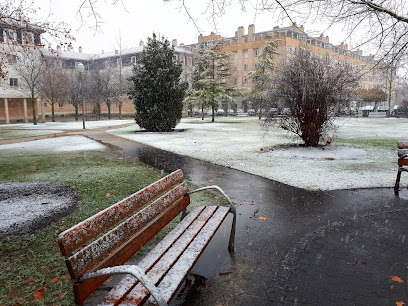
(402, 162)
(99, 246)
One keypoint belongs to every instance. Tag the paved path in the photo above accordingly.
(309, 248)
(314, 248)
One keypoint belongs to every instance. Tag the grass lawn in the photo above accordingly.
(32, 269)
(17, 134)
(364, 155)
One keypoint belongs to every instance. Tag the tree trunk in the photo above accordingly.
(52, 111)
(202, 112)
(109, 110)
(120, 110)
(76, 111)
(34, 113)
(213, 113)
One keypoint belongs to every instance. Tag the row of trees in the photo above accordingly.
(304, 83)
(42, 77)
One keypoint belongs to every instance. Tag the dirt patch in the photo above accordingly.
(25, 207)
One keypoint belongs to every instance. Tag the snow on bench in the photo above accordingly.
(402, 162)
(100, 246)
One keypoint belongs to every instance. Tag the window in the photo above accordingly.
(60, 104)
(11, 35)
(235, 55)
(13, 82)
(245, 53)
(256, 52)
(119, 62)
(45, 104)
(133, 59)
(190, 61)
(246, 67)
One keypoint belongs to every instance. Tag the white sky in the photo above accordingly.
(136, 20)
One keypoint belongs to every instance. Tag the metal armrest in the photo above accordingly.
(129, 269)
(233, 210)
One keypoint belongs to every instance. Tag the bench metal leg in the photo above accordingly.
(396, 187)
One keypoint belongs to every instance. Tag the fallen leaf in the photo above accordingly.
(262, 218)
(63, 228)
(211, 181)
(110, 195)
(28, 280)
(262, 149)
(216, 197)
(245, 202)
(54, 280)
(159, 176)
(399, 303)
(47, 271)
(32, 171)
(39, 294)
(260, 181)
(396, 279)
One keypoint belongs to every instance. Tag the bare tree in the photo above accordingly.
(53, 84)
(310, 87)
(30, 65)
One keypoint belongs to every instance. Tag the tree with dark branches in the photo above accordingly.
(310, 88)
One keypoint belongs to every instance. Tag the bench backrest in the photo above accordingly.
(402, 151)
(114, 235)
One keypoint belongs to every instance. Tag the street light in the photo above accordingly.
(81, 68)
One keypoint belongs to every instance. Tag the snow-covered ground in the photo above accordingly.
(70, 125)
(241, 143)
(55, 145)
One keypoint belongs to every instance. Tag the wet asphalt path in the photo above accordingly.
(259, 273)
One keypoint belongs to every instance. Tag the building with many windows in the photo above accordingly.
(13, 100)
(246, 47)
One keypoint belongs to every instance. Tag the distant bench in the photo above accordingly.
(402, 162)
(377, 114)
(117, 233)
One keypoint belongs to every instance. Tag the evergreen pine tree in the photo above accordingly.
(157, 91)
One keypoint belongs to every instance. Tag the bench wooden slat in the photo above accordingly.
(85, 258)
(402, 144)
(128, 282)
(123, 253)
(139, 293)
(402, 152)
(172, 281)
(402, 162)
(90, 228)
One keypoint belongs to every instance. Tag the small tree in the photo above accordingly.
(53, 83)
(30, 66)
(310, 87)
(262, 77)
(157, 91)
(211, 79)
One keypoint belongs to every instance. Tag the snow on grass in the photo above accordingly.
(70, 125)
(17, 134)
(55, 145)
(364, 156)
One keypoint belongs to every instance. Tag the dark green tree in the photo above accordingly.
(157, 91)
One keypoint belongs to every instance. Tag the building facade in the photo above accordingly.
(245, 49)
(14, 104)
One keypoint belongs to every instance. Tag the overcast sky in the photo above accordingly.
(135, 20)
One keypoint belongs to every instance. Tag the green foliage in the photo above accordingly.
(211, 79)
(157, 91)
(262, 76)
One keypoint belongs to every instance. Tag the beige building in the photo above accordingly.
(246, 47)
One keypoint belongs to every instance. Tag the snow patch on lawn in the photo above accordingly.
(241, 143)
(69, 125)
(322, 153)
(56, 145)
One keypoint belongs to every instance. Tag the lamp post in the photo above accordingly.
(81, 68)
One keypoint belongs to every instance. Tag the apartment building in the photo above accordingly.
(245, 49)
(13, 101)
